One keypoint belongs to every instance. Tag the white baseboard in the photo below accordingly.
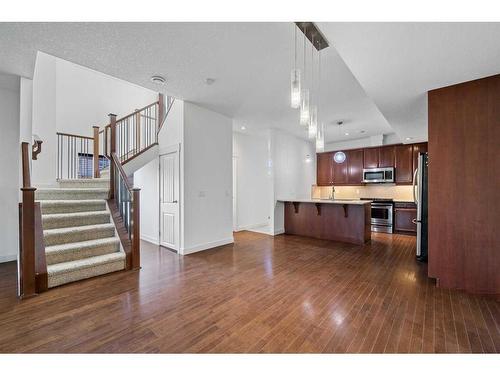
(250, 227)
(8, 258)
(206, 246)
(279, 231)
(150, 239)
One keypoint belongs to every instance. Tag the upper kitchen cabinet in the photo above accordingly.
(355, 167)
(370, 157)
(324, 169)
(404, 164)
(418, 148)
(339, 171)
(386, 157)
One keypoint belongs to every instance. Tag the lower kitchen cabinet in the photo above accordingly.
(405, 216)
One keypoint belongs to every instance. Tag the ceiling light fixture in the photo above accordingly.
(295, 84)
(159, 80)
(243, 127)
(346, 133)
(408, 138)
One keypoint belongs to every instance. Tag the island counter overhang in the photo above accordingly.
(336, 220)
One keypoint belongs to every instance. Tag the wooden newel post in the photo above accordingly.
(27, 243)
(96, 152)
(112, 150)
(136, 229)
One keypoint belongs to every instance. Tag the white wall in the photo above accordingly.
(377, 140)
(85, 97)
(9, 178)
(44, 119)
(207, 211)
(294, 170)
(294, 164)
(253, 180)
(146, 178)
(70, 98)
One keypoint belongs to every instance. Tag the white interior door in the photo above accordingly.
(169, 200)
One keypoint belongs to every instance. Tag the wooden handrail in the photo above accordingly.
(118, 166)
(137, 111)
(74, 135)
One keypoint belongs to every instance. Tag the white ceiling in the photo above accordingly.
(395, 63)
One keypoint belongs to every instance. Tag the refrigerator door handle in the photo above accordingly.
(414, 185)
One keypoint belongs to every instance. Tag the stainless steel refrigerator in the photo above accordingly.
(420, 196)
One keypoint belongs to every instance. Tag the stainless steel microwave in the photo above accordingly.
(378, 175)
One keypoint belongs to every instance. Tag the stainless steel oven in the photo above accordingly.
(381, 215)
(378, 175)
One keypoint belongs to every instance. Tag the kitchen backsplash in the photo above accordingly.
(398, 193)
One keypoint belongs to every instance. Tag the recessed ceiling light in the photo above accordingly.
(159, 80)
(209, 81)
(243, 127)
(408, 138)
(346, 133)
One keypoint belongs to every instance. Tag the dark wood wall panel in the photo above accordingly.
(464, 185)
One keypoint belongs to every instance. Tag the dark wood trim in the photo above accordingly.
(41, 277)
(161, 111)
(74, 135)
(139, 153)
(25, 164)
(136, 229)
(136, 111)
(122, 232)
(112, 150)
(27, 242)
(118, 166)
(36, 148)
(96, 151)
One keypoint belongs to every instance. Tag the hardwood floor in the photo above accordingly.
(262, 294)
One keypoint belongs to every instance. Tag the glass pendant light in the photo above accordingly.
(313, 125)
(295, 85)
(304, 96)
(305, 116)
(320, 138)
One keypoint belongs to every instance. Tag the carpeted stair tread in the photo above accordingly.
(71, 193)
(66, 272)
(69, 206)
(80, 250)
(85, 183)
(77, 234)
(65, 220)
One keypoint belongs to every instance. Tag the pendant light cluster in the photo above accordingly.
(305, 88)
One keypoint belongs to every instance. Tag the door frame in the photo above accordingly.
(163, 151)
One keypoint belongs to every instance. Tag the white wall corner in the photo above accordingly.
(206, 246)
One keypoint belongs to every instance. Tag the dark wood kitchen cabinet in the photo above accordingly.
(324, 169)
(339, 171)
(386, 157)
(370, 157)
(405, 216)
(404, 164)
(354, 167)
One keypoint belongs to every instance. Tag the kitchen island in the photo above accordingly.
(337, 220)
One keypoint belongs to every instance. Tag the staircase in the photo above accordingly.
(79, 235)
(89, 225)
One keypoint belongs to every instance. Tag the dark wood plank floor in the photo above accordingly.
(262, 294)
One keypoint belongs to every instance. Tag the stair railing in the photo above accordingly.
(32, 262)
(125, 206)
